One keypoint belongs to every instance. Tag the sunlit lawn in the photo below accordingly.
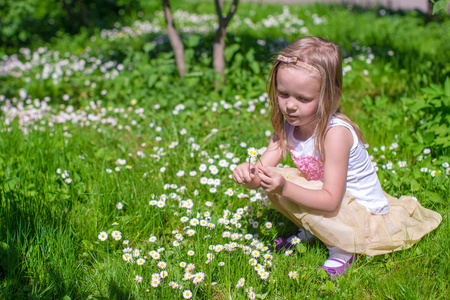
(115, 173)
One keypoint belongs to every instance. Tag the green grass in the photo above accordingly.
(114, 141)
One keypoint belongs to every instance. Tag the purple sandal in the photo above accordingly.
(282, 243)
(338, 271)
(289, 243)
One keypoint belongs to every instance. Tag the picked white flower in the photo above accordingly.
(252, 152)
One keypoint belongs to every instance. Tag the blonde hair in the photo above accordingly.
(325, 57)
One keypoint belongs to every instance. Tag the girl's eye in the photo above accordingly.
(283, 95)
(304, 100)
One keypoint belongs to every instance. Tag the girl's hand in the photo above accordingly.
(271, 182)
(244, 173)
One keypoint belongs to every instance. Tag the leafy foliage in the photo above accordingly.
(32, 21)
(440, 6)
(429, 118)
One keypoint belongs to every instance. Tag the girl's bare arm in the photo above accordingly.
(338, 142)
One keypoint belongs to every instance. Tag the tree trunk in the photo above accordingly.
(219, 40)
(219, 52)
(73, 18)
(174, 38)
(83, 13)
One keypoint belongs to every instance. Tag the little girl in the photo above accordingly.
(335, 194)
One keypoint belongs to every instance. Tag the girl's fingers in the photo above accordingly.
(238, 176)
(265, 180)
(264, 170)
(245, 176)
(242, 176)
(244, 173)
(264, 173)
(263, 177)
(251, 174)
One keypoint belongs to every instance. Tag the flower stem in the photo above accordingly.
(260, 161)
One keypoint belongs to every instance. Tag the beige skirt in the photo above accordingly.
(353, 228)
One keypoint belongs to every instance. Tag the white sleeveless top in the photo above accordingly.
(362, 180)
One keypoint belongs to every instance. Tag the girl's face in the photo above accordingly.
(298, 95)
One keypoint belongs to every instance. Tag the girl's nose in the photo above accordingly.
(291, 105)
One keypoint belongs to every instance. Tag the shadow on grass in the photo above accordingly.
(35, 259)
(118, 292)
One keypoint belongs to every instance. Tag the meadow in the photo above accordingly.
(115, 172)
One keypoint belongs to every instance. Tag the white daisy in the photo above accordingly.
(187, 294)
(103, 236)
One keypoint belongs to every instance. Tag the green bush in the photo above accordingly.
(429, 118)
